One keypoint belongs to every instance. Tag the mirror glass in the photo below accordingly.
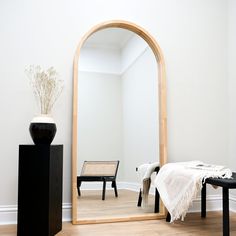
(118, 119)
(119, 115)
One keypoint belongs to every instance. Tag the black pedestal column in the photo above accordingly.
(40, 190)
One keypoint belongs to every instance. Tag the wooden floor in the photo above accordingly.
(91, 205)
(192, 225)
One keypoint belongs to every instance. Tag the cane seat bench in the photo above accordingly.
(99, 171)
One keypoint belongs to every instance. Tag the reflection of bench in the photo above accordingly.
(157, 197)
(93, 171)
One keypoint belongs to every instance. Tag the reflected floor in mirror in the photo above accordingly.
(91, 205)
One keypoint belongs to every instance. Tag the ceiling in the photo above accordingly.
(109, 38)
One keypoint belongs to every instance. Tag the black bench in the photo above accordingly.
(99, 171)
(226, 184)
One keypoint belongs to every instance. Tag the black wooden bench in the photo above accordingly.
(226, 184)
(99, 171)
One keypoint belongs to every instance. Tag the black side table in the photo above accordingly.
(40, 190)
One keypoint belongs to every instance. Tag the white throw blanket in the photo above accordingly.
(145, 176)
(179, 183)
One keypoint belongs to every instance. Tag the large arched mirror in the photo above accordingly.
(119, 113)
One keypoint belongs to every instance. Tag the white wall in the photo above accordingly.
(232, 81)
(100, 118)
(232, 84)
(140, 113)
(197, 82)
(132, 50)
(93, 58)
(192, 35)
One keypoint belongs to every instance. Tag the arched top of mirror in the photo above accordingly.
(88, 39)
(112, 50)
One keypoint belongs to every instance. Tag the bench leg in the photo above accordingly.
(225, 212)
(79, 193)
(104, 190)
(78, 187)
(115, 188)
(157, 199)
(203, 201)
(139, 198)
(168, 217)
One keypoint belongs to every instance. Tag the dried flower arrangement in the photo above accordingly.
(46, 86)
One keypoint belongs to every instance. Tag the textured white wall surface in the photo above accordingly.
(194, 38)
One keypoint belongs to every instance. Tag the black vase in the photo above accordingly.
(42, 130)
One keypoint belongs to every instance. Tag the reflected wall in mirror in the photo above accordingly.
(119, 114)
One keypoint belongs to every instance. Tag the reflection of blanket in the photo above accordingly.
(179, 183)
(144, 173)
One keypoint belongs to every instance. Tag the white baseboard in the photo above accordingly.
(133, 186)
(232, 202)
(66, 212)
(213, 203)
(120, 185)
(8, 213)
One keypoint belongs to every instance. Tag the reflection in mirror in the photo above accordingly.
(117, 120)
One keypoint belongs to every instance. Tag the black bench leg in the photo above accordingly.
(78, 191)
(78, 187)
(225, 212)
(157, 199)
(203, 201)
(139, 198)
(115, 188)
(168, 217)
(103, 189)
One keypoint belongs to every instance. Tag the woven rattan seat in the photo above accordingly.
(99, 171)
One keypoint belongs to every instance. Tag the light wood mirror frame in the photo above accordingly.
(162, 114)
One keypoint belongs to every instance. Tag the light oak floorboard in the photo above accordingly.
(191, 226)
(91, 205)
